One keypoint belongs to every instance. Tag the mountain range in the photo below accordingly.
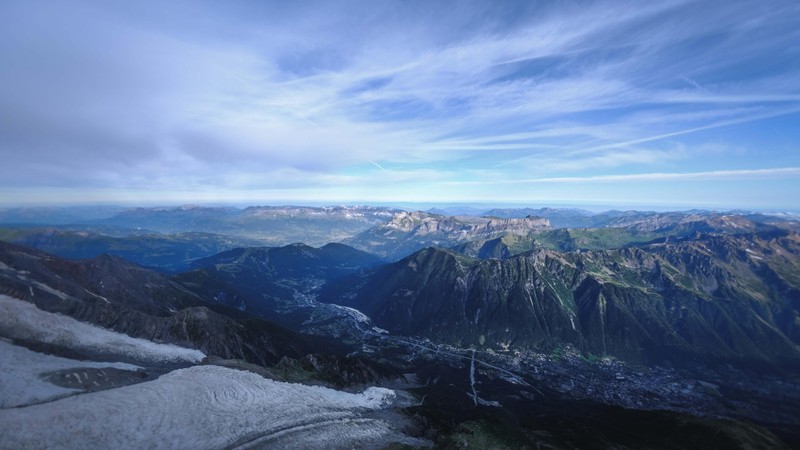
(726, 297)
(407, 232)
(514, 322)
(269, 225)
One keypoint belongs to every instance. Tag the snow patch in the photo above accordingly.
(753, 254)
(22, 320)
(98, 296)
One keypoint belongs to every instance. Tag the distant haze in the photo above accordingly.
(652, 105)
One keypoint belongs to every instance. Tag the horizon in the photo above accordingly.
(472, 208)
(675, 105)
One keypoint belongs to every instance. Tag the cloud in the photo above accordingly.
(244, 95)
(744, 174)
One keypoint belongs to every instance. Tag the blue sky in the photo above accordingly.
(659, 104)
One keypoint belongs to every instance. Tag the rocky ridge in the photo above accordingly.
(407, 232)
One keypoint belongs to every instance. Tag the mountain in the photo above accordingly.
(52, 215)
(561, 239)
(558, 217)
(296, 260)
(717, 297)
(644, 221)
(457, 397)
(703, 221)
(637, 233)
(408, 232)
(169, 253)
(492, 237)
(270, 225)
(118, 295)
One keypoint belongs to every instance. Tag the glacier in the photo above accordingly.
(205, 407)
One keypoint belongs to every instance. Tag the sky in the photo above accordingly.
(661, 104)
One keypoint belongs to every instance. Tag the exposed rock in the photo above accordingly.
(407, 232)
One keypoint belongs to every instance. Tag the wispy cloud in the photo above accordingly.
(775, 173)
(248, 95)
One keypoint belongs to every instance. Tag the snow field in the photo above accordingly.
(203, 407)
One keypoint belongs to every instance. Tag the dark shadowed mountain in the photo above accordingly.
(115, 294)
(168, 253)
(715, 297)
(54, 215)
(279, 283)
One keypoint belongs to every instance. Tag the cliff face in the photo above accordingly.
(727, 297)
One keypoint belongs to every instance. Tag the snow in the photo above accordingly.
(95, 295)
(23, 320)
(753, 254)
(205, 407)
(20, 369)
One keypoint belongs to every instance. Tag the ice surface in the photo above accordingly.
(20, 369)
(23, 320)
(204, 407)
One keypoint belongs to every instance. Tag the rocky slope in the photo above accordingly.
(715, 297)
